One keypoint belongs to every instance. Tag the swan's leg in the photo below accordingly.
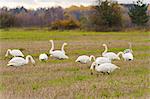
(97, 74)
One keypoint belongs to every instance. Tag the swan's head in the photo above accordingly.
(92, 67)
(104, 45)
(92, 56)
(50, 40)
(65, 43)
(118, 58)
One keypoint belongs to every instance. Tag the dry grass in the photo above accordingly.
(65, 79)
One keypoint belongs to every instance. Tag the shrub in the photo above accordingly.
(65, 24)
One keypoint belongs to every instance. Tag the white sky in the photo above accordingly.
(50, 3)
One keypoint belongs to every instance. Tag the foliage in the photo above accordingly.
(108, 14)
(138, 13)
(6, 20)
(65, 24)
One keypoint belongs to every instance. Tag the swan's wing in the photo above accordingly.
(111, 55)
(17, 60)
(43, 56)
(128, 56)
(102, 68)
(59, 54)
(17, 53)
(101, 60)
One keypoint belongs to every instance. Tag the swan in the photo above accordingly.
(127, 56)
(128, 50)
(103, 68)
(14, 52)
(19, 61)
(43, 57)
(62, 48)
(101, 60)
(57, 53)
(85, 59)
(110, 55)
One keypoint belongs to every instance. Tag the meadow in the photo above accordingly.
(65, 79)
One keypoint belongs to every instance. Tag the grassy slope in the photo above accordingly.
(66, 79)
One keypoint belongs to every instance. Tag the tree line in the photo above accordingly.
(107, 15)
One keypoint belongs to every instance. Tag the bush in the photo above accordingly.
(65, 24)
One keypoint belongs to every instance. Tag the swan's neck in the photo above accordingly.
(120, 53)
(62, 48)
(105, 50)
(8, 52)
(92, 57)
(130, 47)
(52, 48)
(93, 66)
(29, 58)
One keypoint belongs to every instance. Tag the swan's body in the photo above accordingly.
(128, 50)
(110, 55)
(84, 59)
(62, 48)
(104, 68)
(14, 52)
(43, 57)
(19, 61)
(102, 60)
(57, 53)
(127, 56)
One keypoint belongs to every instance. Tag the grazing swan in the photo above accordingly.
(62, 48)
(19, 61)
(101, 60)
(104, 68)
(128, 50)
(110, 55)
(43, 57)
(127, 56)
(57, 53)
(85, 59)
(14, 52)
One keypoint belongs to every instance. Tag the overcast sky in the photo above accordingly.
(49, 3)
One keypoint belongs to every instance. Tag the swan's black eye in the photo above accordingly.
(98, 64)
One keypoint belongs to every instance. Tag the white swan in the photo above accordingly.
(85, 59)
(62, 48)
(43, 57)
(127, 56)
(110, 55)
(14, 52)
(128, 50)
(103, 68)
(57, 53)
(19, 61)
(102, 60)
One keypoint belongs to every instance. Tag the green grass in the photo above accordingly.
(67, 78)
(43, 34)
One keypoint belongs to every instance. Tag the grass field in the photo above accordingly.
(65, 79)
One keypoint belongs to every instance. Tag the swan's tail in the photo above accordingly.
(10, 64)
(118, 67)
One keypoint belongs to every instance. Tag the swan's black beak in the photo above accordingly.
(91, 73)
